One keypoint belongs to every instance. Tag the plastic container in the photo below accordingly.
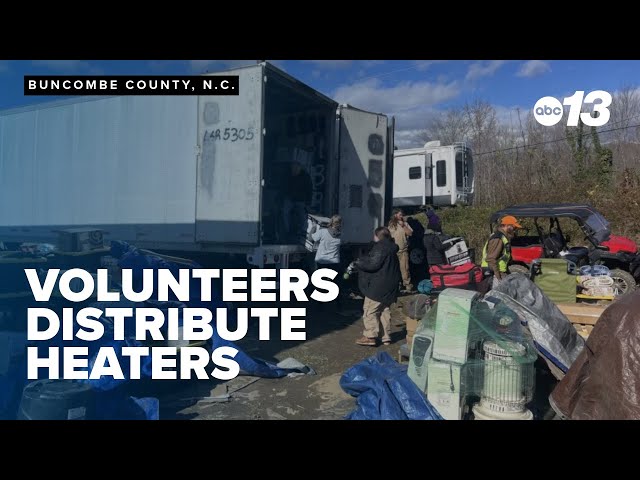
(594, 270)
(56, 400)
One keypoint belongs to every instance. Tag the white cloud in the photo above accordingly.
(533, 68)
(422, 65)
(410, 126)
(63, 65)
(483, 69)
(374, 96)
(331, 64)
(508, 117)
(408, 139)
(416, 119)
(411, 103)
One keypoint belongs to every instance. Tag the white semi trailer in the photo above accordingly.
(193, 173)
(438, 175)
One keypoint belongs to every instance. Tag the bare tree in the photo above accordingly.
(449, 128)
(625, 112)
(525, 161)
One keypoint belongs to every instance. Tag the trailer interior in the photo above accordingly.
(300, 126)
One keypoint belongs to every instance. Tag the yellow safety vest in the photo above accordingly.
(503, 261)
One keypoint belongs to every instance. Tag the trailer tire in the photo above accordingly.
(623, 282)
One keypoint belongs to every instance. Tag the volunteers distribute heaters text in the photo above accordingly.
(152, 325)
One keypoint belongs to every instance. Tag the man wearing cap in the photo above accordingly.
(496, 254)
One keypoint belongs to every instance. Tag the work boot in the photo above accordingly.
(366, 341)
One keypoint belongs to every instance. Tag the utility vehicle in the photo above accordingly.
(619, 254)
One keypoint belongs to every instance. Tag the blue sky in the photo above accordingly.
(412, 90)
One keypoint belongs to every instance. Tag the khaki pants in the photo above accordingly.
(374, 314)
(403, 257)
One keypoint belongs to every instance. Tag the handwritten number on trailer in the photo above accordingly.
(230, 134)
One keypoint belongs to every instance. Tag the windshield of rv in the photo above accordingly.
(598, 227)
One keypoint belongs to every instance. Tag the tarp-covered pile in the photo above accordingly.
(604, 381)
(555, 337)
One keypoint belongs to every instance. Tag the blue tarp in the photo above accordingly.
(131, 257)
(384, 391)
(137, 261)
(255, 366)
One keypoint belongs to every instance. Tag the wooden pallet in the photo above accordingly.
(581, 313)
(582, 316)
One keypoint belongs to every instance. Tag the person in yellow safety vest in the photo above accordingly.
(496, 254)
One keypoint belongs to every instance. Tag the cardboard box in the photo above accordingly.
(314, 222)
(80, 240)
(458, 253)
(444, 389)
(411, 326)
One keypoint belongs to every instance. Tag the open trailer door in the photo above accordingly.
(229, 162)
(363, 153)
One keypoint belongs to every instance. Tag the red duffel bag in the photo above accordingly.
(464, 275)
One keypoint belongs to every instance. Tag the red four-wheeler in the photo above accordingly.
(619, 254)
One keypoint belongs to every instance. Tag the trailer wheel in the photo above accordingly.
(623, 282)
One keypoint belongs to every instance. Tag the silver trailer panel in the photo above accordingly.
(363, 153)
(115, 161)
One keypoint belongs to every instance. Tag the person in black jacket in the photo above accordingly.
(378, 279)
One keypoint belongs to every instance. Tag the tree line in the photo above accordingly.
(518, 160)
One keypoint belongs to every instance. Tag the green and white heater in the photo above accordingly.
(508, 380)
(446, 370)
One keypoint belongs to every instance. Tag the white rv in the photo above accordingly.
(435, 174)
